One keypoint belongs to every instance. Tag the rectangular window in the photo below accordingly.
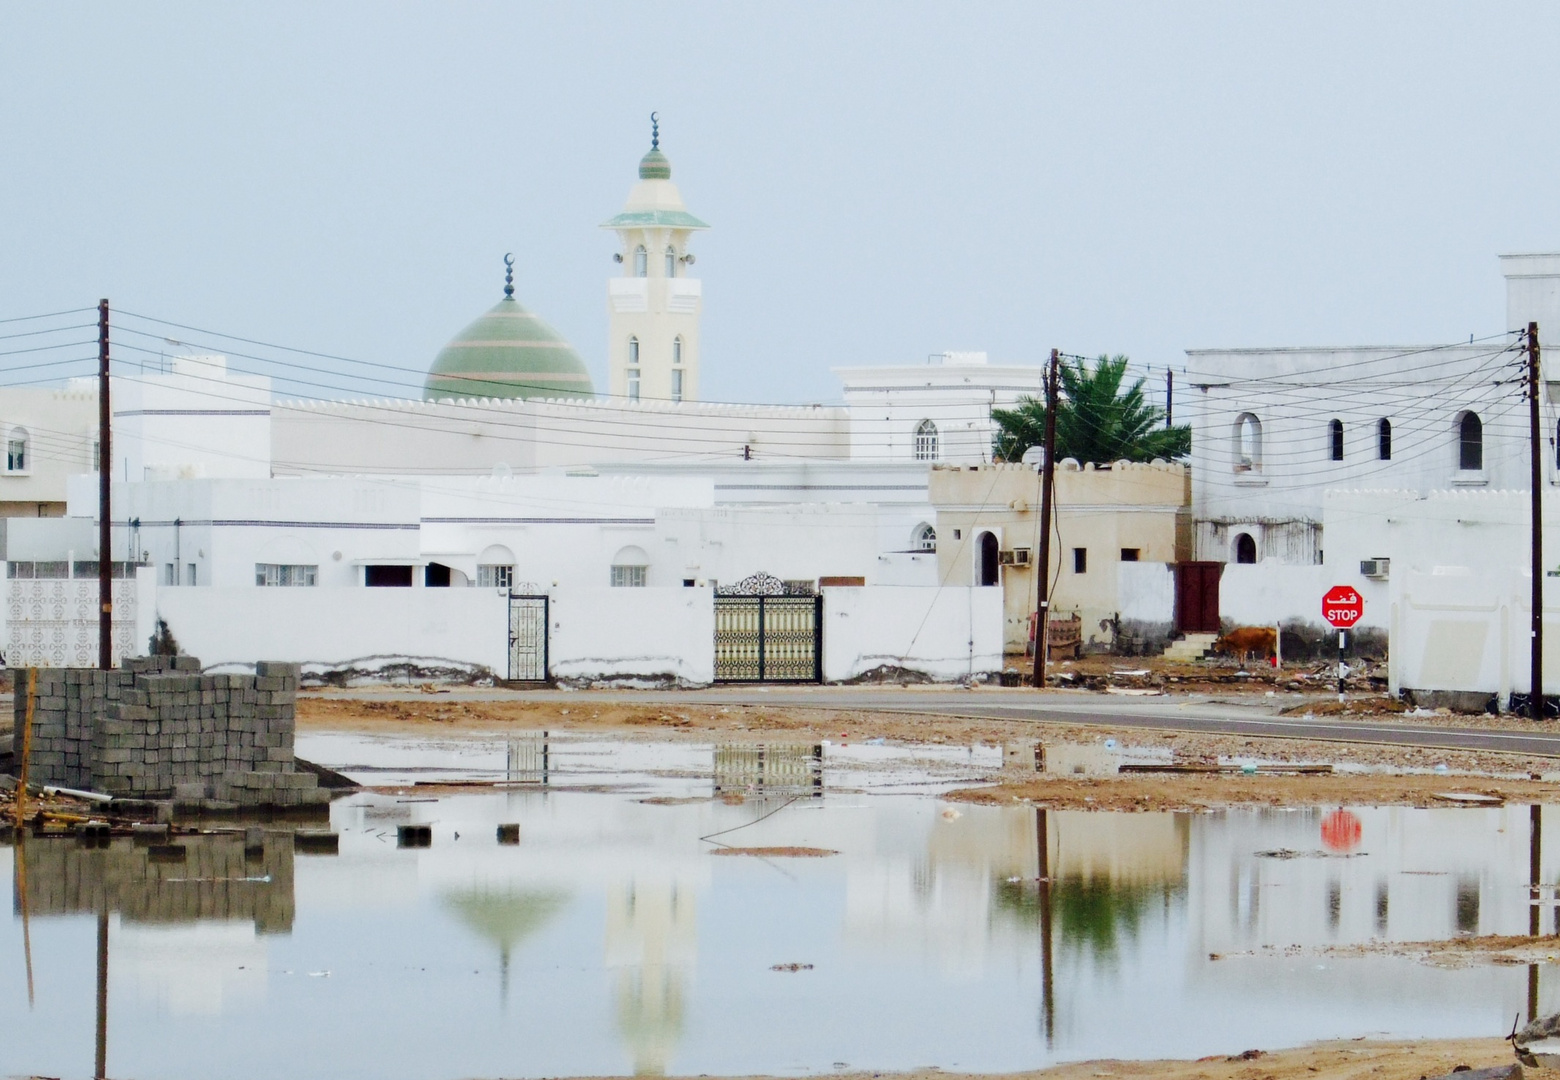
(387, 577)
(16, 455)
(629, 577)
(633, 384)
(190, 575)
(1080, 560)
(495, 577)
(1129, 554)
(278, 574)
(170, 575)
(677, 377)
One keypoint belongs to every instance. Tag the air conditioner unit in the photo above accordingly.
(1375, 568)
(1004, 558)
(1020, 556)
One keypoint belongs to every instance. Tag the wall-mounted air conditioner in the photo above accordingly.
(1016, 557)
(1375, 568)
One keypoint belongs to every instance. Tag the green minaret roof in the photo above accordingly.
(508, 352)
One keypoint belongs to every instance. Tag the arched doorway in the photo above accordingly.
(988, 559)
(1245, 549)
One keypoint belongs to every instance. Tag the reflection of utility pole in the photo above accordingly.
(1043, 846)
(100, 1071)
(1535, 913)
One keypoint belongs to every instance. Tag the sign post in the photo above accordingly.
(1342, 606)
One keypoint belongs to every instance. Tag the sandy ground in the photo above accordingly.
(1356, 1060)
(1205, 791)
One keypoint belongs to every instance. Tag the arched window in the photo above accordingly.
(641, 262)
(671, 262)
(1248, 443)
(16, 451)
(925, 538)
(1335, 436)
(1384, 439)
(986, 549)
(1470, 442)
(926, 441)
(630, 568)
(496, 568)
(1245, 549)
(677, 350)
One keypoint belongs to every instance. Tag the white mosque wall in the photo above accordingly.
(953, 392)
(945, 633)
(477, 437)
(194, 419)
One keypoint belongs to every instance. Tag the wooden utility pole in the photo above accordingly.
(1536, 673)
(1047, 482)
(105, 521)
(1169, 398)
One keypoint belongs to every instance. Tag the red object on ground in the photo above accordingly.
(1341, 831)
(1343, 606)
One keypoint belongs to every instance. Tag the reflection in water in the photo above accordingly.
(215, 877)
(506, 917)
(790, 769)
(651, 938)
(987, 939)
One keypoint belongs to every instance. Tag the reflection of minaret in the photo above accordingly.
(506, 917)
(651, 941)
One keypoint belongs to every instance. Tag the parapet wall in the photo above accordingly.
(158, 728)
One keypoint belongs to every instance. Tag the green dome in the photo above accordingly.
(508, 353)
(655, 166)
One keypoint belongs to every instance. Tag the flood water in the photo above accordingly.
(610, 940)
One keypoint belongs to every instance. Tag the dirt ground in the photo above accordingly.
(1506, 776)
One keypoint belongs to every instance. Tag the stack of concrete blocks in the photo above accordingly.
(67, 703)
(158, 729)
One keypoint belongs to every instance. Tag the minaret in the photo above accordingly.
(653, 308)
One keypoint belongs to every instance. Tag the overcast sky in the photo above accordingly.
(884, 180)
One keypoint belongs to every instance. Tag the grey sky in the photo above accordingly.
(884, 180)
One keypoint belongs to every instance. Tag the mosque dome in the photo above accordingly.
(508, 352)
(654, 165)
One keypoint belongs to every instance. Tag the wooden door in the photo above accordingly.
(1197, 597)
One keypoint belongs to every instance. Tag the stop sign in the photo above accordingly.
(1343, 606)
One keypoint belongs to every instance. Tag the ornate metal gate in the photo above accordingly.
(764, 635)
(527, 638)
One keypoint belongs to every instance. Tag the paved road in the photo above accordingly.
(1026, 708)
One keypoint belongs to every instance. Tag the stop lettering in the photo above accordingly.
(1343, 606)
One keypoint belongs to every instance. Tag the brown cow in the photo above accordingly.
(1245, 640)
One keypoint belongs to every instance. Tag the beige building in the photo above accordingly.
(46, 435)
(988, 533)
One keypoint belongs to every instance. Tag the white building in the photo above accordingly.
(1275, 428)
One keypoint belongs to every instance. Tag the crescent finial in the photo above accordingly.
(655, 132)
(509, 275)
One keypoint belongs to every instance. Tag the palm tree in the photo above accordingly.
(1095, 420)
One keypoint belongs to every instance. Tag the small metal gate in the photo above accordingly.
(768, 638)
(527, 638)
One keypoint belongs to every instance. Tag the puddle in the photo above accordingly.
(610, 941)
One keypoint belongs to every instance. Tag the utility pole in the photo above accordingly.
(1536, 672)
(105, 522)
(1047, 483)
(1169, 398)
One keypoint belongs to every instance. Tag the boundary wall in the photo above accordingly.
(945, 634)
